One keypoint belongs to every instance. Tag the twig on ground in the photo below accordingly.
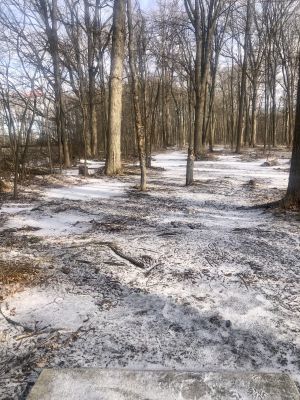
(149, 270)
(243, 280)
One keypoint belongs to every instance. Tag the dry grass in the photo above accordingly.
(5, 186)
(17, 272)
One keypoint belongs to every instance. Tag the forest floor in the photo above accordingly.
(95, 273)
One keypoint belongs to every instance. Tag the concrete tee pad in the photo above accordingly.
(118, 384)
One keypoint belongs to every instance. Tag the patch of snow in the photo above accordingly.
(93, 166)
(49, 309)
(14, 208)
(92, 163)
(50, 225)
(228, 165)
(94, 189)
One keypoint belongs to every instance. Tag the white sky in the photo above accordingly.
(147, 4)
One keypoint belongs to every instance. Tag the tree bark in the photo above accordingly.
(113, 159)
(292, 198)
(239, 129)
(254, 116)
(59, 109)
(139, 128)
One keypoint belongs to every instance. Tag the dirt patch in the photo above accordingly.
(55, 180)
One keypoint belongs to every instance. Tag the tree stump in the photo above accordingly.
(83, 170)
(190, 169)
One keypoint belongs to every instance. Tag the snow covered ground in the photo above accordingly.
(189, 278)
(93, 190)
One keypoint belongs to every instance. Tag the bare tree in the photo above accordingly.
(49, 13)
(203, 16)
(19, 105)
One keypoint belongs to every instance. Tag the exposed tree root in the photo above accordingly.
(290, 203)
(283, 204)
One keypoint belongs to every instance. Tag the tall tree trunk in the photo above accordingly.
(113, 159)
(212, 131)
(92, 122)
(267, 102)
(139, 128)
(16, 172)
(190, 156)
(254, 116)
(64, 138)
(59, 109)
(239, 129)
(199, 95)
(200, 113)
(292, 197)
(274, 107)
(247, 121)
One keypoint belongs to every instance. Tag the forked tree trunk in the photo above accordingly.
(113, 159)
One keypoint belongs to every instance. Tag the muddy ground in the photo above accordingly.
(95, 273)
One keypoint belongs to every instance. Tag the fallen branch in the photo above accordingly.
(114, 249)
(119, 253)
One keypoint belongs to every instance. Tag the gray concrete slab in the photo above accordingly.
(117, 384)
